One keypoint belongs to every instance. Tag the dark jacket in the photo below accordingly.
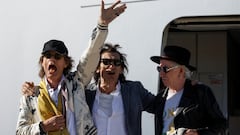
(198, 109)
(135, 100)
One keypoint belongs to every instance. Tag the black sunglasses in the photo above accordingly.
(115, 62)
(56, 56)
(165, 69)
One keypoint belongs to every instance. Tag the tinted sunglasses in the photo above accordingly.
(165, 69)
(115, 62)
(56, 56)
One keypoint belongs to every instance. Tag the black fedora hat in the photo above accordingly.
(177, 54)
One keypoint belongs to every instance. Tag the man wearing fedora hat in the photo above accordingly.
(183, 107)
(58, 106)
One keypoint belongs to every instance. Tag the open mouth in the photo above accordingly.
(52, 68)
(110, 72)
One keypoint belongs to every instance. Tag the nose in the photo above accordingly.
(111, 65)
(162, 74)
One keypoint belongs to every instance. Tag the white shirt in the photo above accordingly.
(54, 92)
(108, 113)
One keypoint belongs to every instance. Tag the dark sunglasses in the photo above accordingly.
(56, 56)
(115, 62)
(165, 69)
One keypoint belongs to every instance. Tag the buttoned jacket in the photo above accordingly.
(135, 99)
(198, 109)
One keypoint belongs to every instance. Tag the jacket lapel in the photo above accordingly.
(125, 98)
(90, 97)
(186, 99)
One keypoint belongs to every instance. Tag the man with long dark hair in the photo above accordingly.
(117, 104)
(58, 106)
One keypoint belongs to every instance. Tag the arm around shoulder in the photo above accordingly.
(27, 121)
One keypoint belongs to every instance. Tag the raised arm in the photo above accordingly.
(90, 57)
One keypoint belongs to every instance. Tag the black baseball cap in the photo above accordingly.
(55, 45)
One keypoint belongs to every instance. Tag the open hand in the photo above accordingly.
(109, 14)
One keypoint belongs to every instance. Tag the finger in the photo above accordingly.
(29, 84)
(115, 4)
(61, 125)
(191, 131)
(102, 6)
(120, 9)
(26, 90)
(123, 7)
(188, 130)
(60, 118)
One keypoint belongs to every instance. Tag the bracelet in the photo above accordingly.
(42, 132)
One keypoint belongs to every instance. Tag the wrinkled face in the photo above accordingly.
(110, 66)
(169, 72)
(53, 64)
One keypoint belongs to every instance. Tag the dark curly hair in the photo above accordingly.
(108, 47)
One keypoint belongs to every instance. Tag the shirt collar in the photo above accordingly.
(59, 84)
(115, 92)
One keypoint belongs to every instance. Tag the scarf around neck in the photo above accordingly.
(48, 109)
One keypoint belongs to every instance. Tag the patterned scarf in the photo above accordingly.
(48, 109)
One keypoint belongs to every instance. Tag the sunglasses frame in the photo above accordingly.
(56, 56)
(166, 69)
(115, 62)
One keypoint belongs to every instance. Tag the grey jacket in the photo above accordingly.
(29, 118)
(135, 100)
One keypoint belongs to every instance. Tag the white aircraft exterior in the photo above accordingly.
(143, 30)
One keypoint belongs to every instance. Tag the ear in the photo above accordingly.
(121, 72)
(97, 71)
(66, 64)
(181, 69)
(42, 64)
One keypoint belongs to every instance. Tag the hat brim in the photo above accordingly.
(157, 59)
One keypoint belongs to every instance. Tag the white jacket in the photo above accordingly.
(29, 119)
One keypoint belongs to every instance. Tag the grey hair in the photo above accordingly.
(188, 73)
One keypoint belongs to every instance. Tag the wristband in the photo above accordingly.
(42, 132)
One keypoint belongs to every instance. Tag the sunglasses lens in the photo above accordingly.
(114, 62)
(106, 61)
(117, 62)
(164, 69)
(47, 55)
(56, 56)
(158, 69)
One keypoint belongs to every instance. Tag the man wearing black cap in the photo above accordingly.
(183, 108)
(58, 106)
